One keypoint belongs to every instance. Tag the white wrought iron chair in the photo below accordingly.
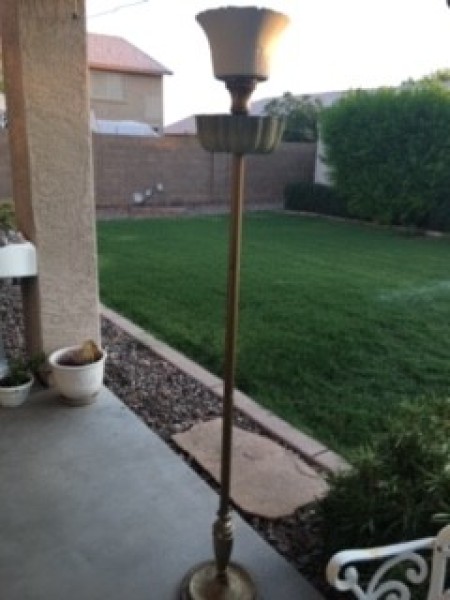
(344, 576)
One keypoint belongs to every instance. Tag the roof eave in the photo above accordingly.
(121, 69)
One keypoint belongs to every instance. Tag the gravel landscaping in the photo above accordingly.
(169, 401)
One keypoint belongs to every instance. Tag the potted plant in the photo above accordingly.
(17, 255)
(77, 372)
(15, 386)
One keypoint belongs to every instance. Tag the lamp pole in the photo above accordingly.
(223, 530)
(239, 59)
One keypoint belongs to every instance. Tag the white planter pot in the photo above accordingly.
(18, 260)
(78, 385)
(10, 397)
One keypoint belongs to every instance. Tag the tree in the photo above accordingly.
(301, 113)
(440, 77)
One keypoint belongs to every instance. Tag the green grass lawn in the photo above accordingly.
(339, 323)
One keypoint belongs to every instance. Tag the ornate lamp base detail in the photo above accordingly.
(202, 583)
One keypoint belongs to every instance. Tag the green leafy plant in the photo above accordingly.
(7, 217)
(399, 487)
(21, 369)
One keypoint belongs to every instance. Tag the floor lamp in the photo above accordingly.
(241, 41)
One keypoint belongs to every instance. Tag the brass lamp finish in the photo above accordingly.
(238, 134)
(240, 88)
(220, 579)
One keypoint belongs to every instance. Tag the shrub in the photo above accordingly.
(439, 217)
(397, 486)
(313, 197)
(388, 152)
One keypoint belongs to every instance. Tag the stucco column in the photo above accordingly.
(44, 53)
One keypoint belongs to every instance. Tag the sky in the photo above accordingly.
(329, 45)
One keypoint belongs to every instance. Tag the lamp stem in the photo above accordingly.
(222, 530)
(240, 88)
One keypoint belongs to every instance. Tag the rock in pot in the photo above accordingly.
(78, 384)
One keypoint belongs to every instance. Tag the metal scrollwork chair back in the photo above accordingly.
(385, 583)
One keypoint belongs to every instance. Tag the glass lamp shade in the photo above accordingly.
(242, 40)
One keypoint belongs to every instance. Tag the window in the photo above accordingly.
(152, 103)
(107, 86)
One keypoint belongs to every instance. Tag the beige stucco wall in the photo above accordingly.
(143, 100)
(44, 51)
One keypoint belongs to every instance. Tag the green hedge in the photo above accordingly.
(313, 197)
(389, 154)
(439, 216)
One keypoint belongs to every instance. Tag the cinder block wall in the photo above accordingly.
(190, 176)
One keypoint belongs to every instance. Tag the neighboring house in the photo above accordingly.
(125, 83)
(186, 126)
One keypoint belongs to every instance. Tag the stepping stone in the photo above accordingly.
(266, 479)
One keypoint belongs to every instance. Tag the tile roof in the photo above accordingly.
(112, 53)
(186, 126)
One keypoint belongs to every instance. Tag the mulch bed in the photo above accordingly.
(169, 401)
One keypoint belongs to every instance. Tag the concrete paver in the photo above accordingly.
(266, 479)
(94, 505)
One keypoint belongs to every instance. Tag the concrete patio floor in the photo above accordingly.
(94, 505)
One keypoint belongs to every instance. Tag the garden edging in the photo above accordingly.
(312, 450)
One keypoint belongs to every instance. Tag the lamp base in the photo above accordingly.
(202, 583)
